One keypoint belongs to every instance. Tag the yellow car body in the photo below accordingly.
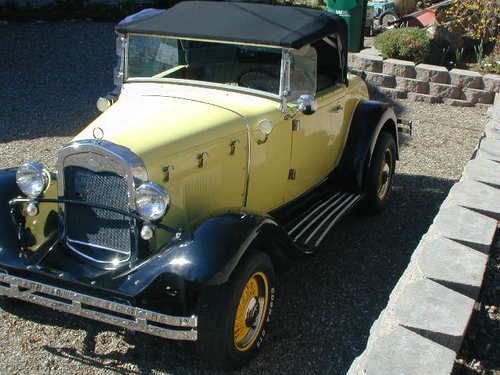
(223, 158)
(171, 125)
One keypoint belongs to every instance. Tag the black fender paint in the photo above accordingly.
(213, 250)
(368, 120)
(207, 255)
(8, 191)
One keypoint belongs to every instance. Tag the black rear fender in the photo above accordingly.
(369, 120)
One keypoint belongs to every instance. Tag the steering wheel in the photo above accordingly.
(259, 80)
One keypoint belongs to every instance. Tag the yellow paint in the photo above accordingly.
(39, 226)
(170, 124)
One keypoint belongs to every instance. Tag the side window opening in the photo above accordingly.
(329, 69)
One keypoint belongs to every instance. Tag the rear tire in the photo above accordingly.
(381, 173)
(233, 318)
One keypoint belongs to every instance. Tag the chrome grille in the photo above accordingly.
(100, 173)
(100, 234)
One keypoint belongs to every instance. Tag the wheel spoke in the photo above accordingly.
(251, 310)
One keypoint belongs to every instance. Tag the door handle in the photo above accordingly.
(337, 109)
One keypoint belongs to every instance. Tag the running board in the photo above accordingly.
(311, 229)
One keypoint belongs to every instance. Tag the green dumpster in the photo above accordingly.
(354, 13)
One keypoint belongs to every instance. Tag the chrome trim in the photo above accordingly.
(319, 216)
(284, 79)
(102, 156)
(353, 201)
(112, 265)
(98, 246)
(329, 216)
(68, 301)
(191, 82)
(313, 212)
(323, 217)
(39, 168)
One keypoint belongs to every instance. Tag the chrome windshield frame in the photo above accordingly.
(284, 74)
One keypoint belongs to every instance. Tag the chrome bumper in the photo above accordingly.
(130, 317)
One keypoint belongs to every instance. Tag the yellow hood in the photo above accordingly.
(152, 116)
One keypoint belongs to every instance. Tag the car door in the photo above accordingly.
(316, 141)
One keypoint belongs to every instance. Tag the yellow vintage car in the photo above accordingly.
(237, 141)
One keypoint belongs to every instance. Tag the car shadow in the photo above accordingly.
(328, 301)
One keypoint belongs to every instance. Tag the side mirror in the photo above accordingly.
(307, 104)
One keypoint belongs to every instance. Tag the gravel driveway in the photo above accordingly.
(51, 75)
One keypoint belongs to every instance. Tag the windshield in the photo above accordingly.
(237, 65)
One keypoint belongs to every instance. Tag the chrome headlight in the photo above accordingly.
(151, 201)
(32, 179)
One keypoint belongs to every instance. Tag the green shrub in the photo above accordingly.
(407, 43)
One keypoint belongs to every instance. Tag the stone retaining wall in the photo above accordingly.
(399, 79)
(423, 325)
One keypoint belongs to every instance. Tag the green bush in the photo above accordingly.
(407, 43)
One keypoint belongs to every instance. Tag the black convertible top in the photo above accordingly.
(263, 24)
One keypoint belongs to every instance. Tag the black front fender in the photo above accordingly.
(212, 251)
(8, 191)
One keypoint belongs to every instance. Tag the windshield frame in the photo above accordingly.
(284, 70)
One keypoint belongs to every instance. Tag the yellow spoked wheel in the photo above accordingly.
(379, 178)
(251, 311)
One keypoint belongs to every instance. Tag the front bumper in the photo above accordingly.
(118, 314)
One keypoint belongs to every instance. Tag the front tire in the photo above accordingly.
(381, 173)
(233, 318)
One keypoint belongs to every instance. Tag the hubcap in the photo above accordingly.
(251, 310)
(385, 175)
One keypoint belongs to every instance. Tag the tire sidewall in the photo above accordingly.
(226, 355)
(373, 201)
(240, 282)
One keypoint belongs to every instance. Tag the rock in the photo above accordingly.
(457, 102)
(466, 79)
(366, 62)
(492, 82)
(444, 90)
(370, 51)
(482, 106)
(416, 97)
(412, 85)
(400, 68)
(405, 352)
(478, 96)
(380, 79)
(432, 73)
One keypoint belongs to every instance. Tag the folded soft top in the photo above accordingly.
(261, 24)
